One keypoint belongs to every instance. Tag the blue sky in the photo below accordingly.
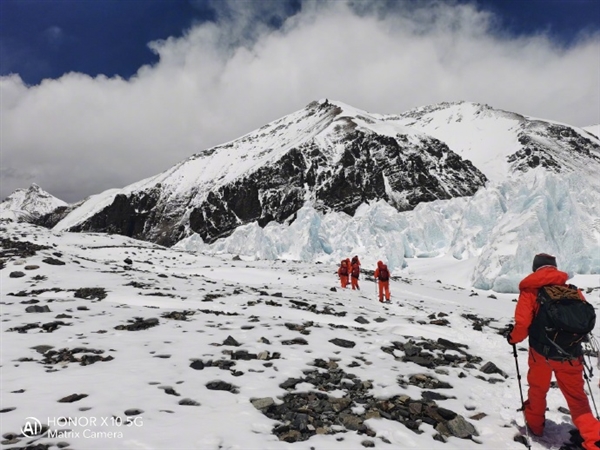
(99, 94)
(47, 38)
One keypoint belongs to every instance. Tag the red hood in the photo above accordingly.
(543, 277)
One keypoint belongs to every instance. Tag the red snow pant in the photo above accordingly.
(384, 287)
(354, 281)
(344, 280)
(569, 376)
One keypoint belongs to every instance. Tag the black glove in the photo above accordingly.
(507, 331)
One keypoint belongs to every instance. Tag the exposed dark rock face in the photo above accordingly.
(50, 219)
(569, 146)
(276, 191)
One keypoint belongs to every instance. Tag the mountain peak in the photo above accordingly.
(28, 202)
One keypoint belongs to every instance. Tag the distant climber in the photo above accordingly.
(343, 273)
(382, 275)
(355, 274)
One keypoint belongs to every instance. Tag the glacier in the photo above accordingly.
(500, 229)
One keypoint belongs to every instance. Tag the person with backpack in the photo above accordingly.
(355, 260)
(355, 273)
(382, 275)
(343, 273)
(543, 295)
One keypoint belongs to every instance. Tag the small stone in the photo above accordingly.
(72, 398)
(197, 365)
(231, 341)
(37, 309)
(342, 343)
(53, 261)
(188, 402)
(262, 403)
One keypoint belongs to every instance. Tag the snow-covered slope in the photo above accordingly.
(593, 129)
(501, 143)
(115, 343)
(28, 203)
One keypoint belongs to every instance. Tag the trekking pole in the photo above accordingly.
(593, 349)
(514, 346)
(587, 367)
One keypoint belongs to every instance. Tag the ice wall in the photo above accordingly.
(503, 226)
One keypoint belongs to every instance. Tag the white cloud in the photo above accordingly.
(78, 135)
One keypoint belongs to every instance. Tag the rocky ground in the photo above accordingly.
(114, 343)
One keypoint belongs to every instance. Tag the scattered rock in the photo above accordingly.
(262, 403)
(221, 386)
(37, 309)
(53, 261)
(295, 341)
(90, 293)
(490, 367)
(65, 355)
(302, 415)
(231, 342)
(176, 315)
(188, 402)
(72, 398)
(197, 365)
(342, 343)
(138, 324)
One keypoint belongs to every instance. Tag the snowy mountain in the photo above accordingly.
(115, 343)
(461, 180)
(29, 203)
(330, 155)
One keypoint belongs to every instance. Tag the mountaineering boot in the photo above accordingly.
(534, 422)
(536, 431)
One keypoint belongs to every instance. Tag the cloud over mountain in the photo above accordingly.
(78, 135)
